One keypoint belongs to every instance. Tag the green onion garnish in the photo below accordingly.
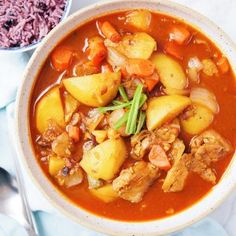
(112, 108)
(123, 93)
(121, 121)
(132, 118)
(141, 121)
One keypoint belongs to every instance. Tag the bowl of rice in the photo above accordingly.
(24, 23)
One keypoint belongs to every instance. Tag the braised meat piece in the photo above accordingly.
(177, 175)
(177, 150)
(142, 143)
(133, 182)
(167, 134)
(63, 145)
(207, 148)
(49, 134)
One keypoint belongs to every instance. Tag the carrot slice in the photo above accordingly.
(73, 132)
(158, 157)
(174, 50)
(96, 50)
(223, 65)
(179, 34)
(106, 68)
(110, 32)
(61, 58)
(139, 67)
(151, 81)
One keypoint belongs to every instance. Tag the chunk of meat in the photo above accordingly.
(177, 150)
(164, 136)
(206, 148)
(167, 134)
(133, 182)
(177, 175)
(63, 145)
(141, 144)
(53, 130)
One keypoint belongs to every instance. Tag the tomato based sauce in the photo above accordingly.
(156, 203)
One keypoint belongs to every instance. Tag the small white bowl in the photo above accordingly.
(32, 46)
(112, 227)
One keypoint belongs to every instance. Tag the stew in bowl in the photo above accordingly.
(125, 117)
(131, 115)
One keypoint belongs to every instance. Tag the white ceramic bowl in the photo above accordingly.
(32, 46)
(112, 227)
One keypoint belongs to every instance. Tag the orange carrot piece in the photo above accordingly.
(139, 67)
(179, 34)
(61, 58)
(151, 81)
(174, 50)
(73, 132)
(158, 157)
(96, 50)
(110, 32)
(106, 68)
(223, 65)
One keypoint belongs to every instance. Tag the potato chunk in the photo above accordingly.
(94, 90)
(55, 164)
(105, 193)
(140, 19)
(49, 108)
(170, 71)
(138, 45)
(165, 108)
(197, 119)
(104, 160)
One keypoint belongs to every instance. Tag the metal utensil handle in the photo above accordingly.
(31, 225)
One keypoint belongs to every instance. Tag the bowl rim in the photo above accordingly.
(168, 228)
(36, 44)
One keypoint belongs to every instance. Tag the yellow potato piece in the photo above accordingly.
(100, 135)
(140, 19)
(165, 108)
(170, 71)
(49, 107)
(94, 90)
(105, 193)
(201, 118)
(55, 164)
(105, 160)
(138, 45)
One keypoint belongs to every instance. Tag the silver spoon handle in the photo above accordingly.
(31, 225)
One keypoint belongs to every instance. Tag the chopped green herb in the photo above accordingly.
(112, 108)
(141, 121)
(121, 121)
(123, 93)
(117, 102)
(132, 118)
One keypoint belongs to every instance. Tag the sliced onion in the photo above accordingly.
(172, 91)
(114, 117)
(194, 66)
(194, 62)
(115, 58)
(206, 98)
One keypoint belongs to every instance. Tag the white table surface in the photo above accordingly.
(223, 13)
